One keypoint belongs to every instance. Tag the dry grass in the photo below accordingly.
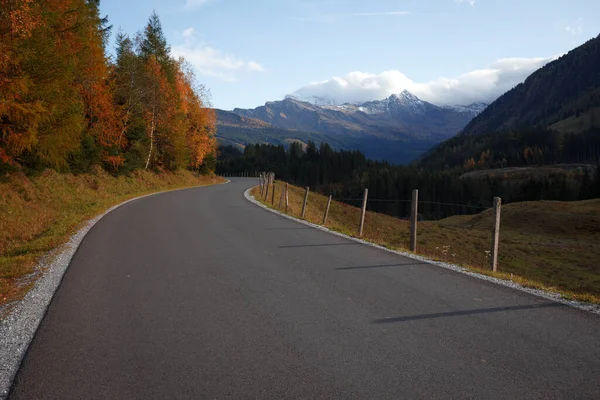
(38, 214)
(546, 245)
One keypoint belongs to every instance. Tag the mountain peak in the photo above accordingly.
(405, 98)
(408, 95)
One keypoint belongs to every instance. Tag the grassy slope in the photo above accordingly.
(574, 124)
(546, 245)
(41, 213)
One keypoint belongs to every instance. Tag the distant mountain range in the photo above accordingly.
(397, 129)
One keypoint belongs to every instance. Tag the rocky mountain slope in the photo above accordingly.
(398, 117)
(396, 129)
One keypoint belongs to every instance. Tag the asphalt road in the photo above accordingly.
(199, 294)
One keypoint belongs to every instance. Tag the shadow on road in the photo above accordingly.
(287, 229)
(378, 266)
(465, 312)
(318, 245)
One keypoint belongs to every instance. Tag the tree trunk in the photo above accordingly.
(125, 126)
(151, 141)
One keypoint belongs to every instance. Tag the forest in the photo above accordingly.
(515, 148)
(67, 105)
(443, 192)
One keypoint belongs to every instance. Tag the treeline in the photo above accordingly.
(65, 105)
(443, 193)
(527, 147)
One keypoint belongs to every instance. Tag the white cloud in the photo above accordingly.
(480, 85)
(573, 28)
(471, 2)
(194, 4)
(209, 61)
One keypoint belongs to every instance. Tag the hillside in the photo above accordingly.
(551, 118)
(522, 148)
(546, 244)
(397, 129)
(228, 118)
(567, 89)
(41, 212)
(235, 129)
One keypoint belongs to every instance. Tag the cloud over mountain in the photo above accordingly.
(483, 85)
(210, 61)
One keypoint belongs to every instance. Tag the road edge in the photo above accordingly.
(556, 297)
(18, 328)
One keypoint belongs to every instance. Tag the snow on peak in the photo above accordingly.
(408, 96)
(315, 100)
(474, 108)
(404, 101)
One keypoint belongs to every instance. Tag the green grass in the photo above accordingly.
(41, 213)
(546, 245)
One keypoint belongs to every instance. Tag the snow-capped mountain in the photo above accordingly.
(401, 122)
(473, 109)
(404, 100)
(316, 100)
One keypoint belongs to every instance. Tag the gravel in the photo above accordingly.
(594, 308)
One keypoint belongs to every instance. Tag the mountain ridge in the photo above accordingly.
(401, 123)
(566, 87)
(398, 114)
(551, 118)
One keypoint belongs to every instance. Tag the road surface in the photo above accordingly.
(199, 294)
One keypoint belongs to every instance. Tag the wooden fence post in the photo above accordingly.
(414, 213)
(496, 233)
(281, 197)
(267, 190)
(262, 184)
(327, 211)
(363, 212)
(273, 195)
(305, 202)
(287, 197)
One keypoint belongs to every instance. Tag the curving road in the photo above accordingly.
(199, 294)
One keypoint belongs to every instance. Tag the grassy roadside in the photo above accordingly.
(39, 214)
(545, 245)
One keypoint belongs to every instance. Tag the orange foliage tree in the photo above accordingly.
(104, 119)
(19, 114)
(200, 120)
(64, 105)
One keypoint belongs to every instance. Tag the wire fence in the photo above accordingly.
(536, 238)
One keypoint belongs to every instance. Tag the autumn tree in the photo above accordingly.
(20, 114)
(104, 120)
(159, 96)
(200, 121)
(64, 105)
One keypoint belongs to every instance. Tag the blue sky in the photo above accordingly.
(248, 52)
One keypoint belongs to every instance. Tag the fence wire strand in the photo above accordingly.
(409, 201)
